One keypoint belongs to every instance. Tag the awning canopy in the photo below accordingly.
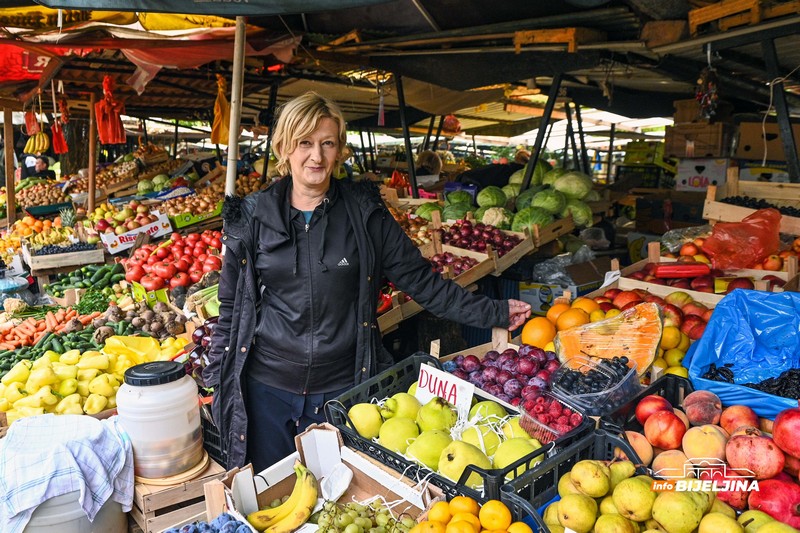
(226, 8)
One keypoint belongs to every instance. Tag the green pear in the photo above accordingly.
(753, 519)
(607, 505)
(577, 512)
(402, 405)
(652, 525)
(718, 506)
(652, 530)
(396, 434)
(512, 429)
(557, 528)
(565, 486)
(704, 499)
(776, 527)
(646, 479)
(620, 470)
(634, 499)
(438, 413)
(551, 514)
(455, 458)
(482, 437)
(427, 448)
(592, 478)
(412, 389)
(488, 412)
(366, 418)
(511, 451)
(677, 512)
(614, 523)
(719, 523)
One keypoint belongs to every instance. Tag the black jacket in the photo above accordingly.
(384, 250)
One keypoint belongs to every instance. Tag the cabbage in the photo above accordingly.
(542, 167)
(581, 213)
(479, 213)
(553, 175)
(574, 185)
(425, 210)
(491, 197)
(498, 217)
(524, 198)
(593, 196)
(511, 191)
(458, 197)
(161, 178)
(550, 200)
(456, 211)
(145, 186)
(529, 217)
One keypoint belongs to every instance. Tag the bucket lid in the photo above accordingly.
(155, 373)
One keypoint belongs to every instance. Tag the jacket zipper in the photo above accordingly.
(311, 329)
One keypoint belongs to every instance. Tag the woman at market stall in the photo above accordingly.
(304, 264)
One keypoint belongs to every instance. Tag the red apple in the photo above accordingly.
(697, 331)
(689, 249)
(740, 283)
(774, 281)
(649, 268)
(673, 316)
(657, 281)
(649, 405)
(606, 306)
(694, 308)
(678, 298)
(701, 282)
(681, 283)
(655, 299)
(665, 430)
(612, 293)
(638, 275)
(630, 304)
(624, 298)
(693, 326)
(779, 499)
(786, 430)
(601, 299)
(707, 315)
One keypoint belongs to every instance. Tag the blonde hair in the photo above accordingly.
(297, 119)
(430, 160)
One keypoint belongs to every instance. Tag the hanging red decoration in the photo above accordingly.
(108, 110)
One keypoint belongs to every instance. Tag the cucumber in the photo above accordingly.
(117, 277)
(117, 268)
(46, 337)
(97, 276)
(57, 346)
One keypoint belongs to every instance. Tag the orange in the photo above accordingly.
(555, 311)
(538, 331)
(587, 304)
(461, 526)
(440, 512)
(572, 318)
(28, 220)
(519, 527)
(469, 518)
(670, 338)
(463, 504)
(495, 515)
(429, 526)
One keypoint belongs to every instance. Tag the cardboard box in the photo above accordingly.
(697, 140)
(187, 219)
(750, 141)
(637, 245)
(321, 449)
(643, 152)
(117, 243)
(586, 277)
(698, 174)
(689, 111)
(151, 297)
(772, 172)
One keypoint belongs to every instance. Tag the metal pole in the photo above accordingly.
(373, 148)
(584, 153)
(144, 129)
(363, 151)
(236, 107)
(565, 153)
(92, 153)
(438, 132)
(175, 141)
(273, 102)
(412, 172)
(610, 151)
(8, 146)
(537, 146)
(571, 136)
(781, 109)
(430, 131)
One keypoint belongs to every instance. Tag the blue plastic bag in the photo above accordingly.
(759, 332)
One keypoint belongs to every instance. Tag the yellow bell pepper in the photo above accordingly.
(40, 377)
(18, 372)
(103, 384)
(63, 371)
(93, 359)
(112, 359)
(67, 387)
(70, 405)
(54, 356)
(89, 374)
(94, 404)
(44, 396)
(83, 387)
(42, 362)
(112, 402)
(2, 390)
(71, 357)
(23, 412)
(15, 391)
(5, 405)
(138, 349)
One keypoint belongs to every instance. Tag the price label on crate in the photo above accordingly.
(433, 382)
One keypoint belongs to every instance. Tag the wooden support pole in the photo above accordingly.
(92, 154)
(8, 146)
(236, 107)
(175, 141)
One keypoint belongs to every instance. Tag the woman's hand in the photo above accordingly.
(518, 313)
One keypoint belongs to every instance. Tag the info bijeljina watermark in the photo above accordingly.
(705, 475)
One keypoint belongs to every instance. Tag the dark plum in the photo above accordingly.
(459, 359)
(504, 358)
(552, 366)
(491, 355)
(503, 376)
(460, 374)
(490, 373)
(525, 350)
(551, 356)
(504, 397)
(527, 367)
(510, 352)
(512, 387)
(538, 382)
(510, 366)
(494, 389)
(197, 335)
(531, 392)
(544, 374)
(475, 374)
(539, 355)
(471, 363)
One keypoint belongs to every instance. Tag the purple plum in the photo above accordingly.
(510, 351)
(503, 376)
(527, 367)
(512, 387)
(471, 363)
(531, 392)
(491, 355)
(494, 389)
(459, 359)
(525, 350)
(543, 374)
(504, 358)
(490, 373)
(538, 382)
(551, 356)
(539, 355)
(510, 366)
(552, 366)
(460, 374)
(504, 397)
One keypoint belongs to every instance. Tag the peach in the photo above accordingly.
(665, 430)
(735, 416)
(649, 405)
(702, 407)
(689, 249)
(704, 442)
(672, 464)
(683, 417)
(640, 445)
(773, 262)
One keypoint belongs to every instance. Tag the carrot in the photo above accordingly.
(40, 326)
(51, 321)
(6, 346)
(59, 328)
(6, 328)
(60, 314)
(38, 336)
(15, 343)
(24, 329)
(96, 314)
(86, 319)
(32, 321)
(70, 315)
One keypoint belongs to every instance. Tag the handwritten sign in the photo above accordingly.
(433, 382)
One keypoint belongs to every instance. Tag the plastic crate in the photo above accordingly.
(528, 493)
(398, 379)
(212, 442)
(635, 176)
(673, 388)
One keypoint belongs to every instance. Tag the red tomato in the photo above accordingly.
(213, 261)
(134, 273)
(176, 237)
(192, 238)
(195, 275)
(140, 255)
(164, 269)
(147, 267)
(216, 243)
(199, 250)
(162, 253)
(206, 238)
(188, 250)
(152, 259)
(181, 279)
(182, 265)
(152, 282)
(202, 257)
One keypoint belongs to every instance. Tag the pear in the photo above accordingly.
(512, 450)
(396, 434)
(401, 404)
(614, 523)
(550, 515)
(620, 470)
(512, 429)
(634, 499)
(753, 519)
(366, 418)
(776, 527)
(482, 437)
(457, 456)
(607, 505)
(577, 512)
(488, 412)
(427, 448)
(719, 523)
(718, 506)
(677, 512)
(704, 499)
(647, 479)
(438, 413)
(592, 478)
(412, 389)
(565, 485)
(652, 525)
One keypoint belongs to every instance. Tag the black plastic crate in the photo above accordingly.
(526, 494)
(638, 176)
(673, 388)
(212, 442)
(398, 379)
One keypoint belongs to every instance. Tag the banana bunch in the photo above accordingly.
(51, 236)
(295, 511)
(37, 143)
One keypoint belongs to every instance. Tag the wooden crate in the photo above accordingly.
(732, 13)
(45, 262)
(572, 37)
(697, 140)
(551, 232)
(158, 508)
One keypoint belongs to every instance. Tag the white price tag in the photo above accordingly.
(433, 382)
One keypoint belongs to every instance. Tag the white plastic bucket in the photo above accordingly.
(64, 514)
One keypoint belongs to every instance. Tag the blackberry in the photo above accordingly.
(50, 249)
